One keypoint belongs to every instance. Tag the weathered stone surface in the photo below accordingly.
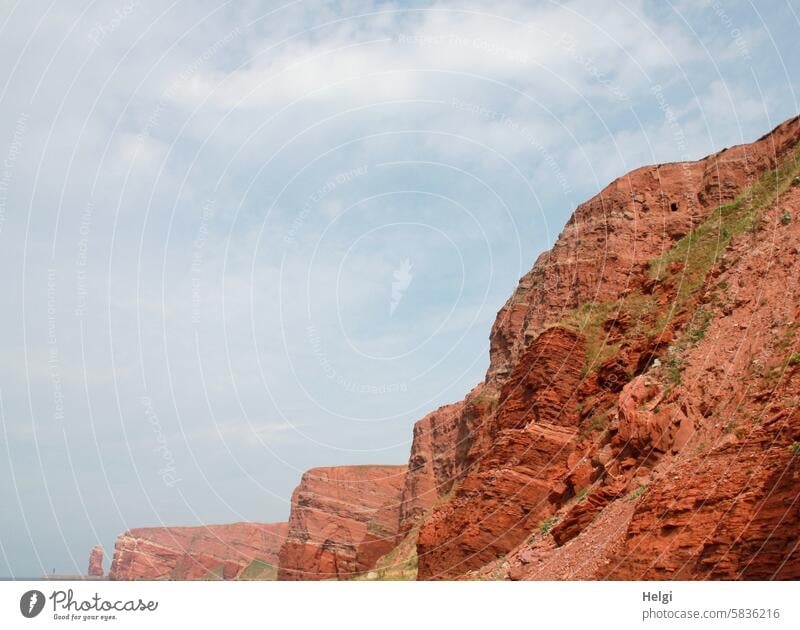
(434, 462)
(646, 425)
(510, 488)
(727, 506)
(96, 562)
(222, 552)
(633, 427)
(600, 250)
(343, 519)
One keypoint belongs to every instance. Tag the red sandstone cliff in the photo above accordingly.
(96, 562)
(223, 552)
(343, 519)
(438, 450)
(640, 417)
(645, 371)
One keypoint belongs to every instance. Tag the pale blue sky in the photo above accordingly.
(243, 239)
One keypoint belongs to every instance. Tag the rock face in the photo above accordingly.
(342, 520)
(96, 562)
(438, 458)
(622, 385)
(509, 488)
(221, 552)
(632, 221)
(727, 504)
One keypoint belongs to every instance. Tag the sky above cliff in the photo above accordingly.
(242, 239)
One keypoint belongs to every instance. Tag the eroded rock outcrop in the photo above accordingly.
(611, 417)
(511, 488)
(96, 562)
(342, 520)
(434, 462)
(216, 552)
(630, 222)
(727, 505)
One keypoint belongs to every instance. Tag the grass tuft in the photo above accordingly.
(546, 525)
(637, 493)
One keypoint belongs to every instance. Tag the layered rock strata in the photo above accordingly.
(342, 520)
(209, 552)
(604, 387)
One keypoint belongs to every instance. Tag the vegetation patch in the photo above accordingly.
(546, 525)
(487, 399)
(698, 332)
(588, 320)
(582, 495)
(692, 257)
(636, 493)
(673, 371)
(686, 267)
(259, 570)
(400, 564)
(594, 424)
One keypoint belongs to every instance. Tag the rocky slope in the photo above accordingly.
(644, 388)
(216, 552)
(342, 520)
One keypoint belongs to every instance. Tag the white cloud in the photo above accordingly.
(140, 151)
(400, 55)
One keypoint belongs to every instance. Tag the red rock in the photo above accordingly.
(599, 251)
(96, 562)
(646, 425)
(523, 465)
(581, 515)
(439, 450)
(342, 520)
(719, 520)
(511, 488)
(434, 464)
(236, 551)
(728, 507)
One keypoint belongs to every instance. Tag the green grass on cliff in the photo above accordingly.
(259, 570)
(698, 251)
(686, 266)
(217, 573)
(588, 320)
(546, 525)
(400, 564)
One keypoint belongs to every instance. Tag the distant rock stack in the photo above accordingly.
(96, 561)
